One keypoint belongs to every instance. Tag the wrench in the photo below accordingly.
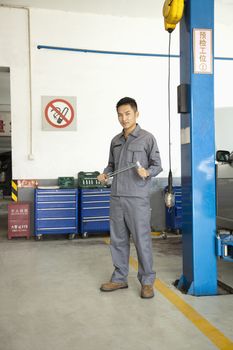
(135, 165)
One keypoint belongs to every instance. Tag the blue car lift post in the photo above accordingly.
(198, 158)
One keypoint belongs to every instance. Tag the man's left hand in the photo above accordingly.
(143, 173)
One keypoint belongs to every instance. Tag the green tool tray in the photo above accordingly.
(66, 182)
(88, 180)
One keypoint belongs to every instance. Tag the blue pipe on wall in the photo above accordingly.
(118, 52)
(104, 52)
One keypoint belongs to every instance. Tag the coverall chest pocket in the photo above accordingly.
(137, 153)
(116, 153)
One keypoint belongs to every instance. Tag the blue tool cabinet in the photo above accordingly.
(56, 212)
(94, 210)
(174, 214)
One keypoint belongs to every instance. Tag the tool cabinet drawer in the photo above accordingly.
(55, 231)
(92, 211)
(88, 203)
(56, 213)
(56, 223)
(95, 195)
(59, 205)
(94, 225)
(56, 197)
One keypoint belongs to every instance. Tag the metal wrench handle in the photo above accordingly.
(123, 169)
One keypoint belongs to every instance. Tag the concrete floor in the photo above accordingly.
(50, 299)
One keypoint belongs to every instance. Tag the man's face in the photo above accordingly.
(127, 117)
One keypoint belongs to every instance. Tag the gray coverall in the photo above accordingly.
(130, 203)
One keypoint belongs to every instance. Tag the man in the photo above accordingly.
(130, 202)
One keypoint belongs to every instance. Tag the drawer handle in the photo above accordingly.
(96, 220)
(95, 208)
(56, 228)
(46, 219)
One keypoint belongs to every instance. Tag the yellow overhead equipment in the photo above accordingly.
(172, 13)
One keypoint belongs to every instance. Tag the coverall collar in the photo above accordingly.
(134, 133)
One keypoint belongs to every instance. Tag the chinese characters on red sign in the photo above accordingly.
(19, 228)
(19, 211)
(19, 219)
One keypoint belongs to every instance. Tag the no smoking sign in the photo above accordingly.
(59, 113)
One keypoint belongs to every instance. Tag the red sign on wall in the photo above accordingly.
(58, 113)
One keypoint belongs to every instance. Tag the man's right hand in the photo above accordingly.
(102, 178)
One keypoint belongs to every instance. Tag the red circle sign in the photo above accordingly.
(59, 113)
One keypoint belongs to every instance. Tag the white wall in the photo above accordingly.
(98, 82)
(223, 76)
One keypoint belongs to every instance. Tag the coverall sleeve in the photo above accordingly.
(154, 160)
(110, 167)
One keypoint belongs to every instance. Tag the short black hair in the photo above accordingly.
(127, 101)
